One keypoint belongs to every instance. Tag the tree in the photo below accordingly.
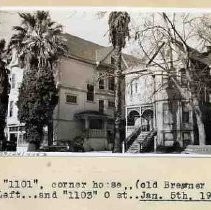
(4, 90)
(39, 44)
(118, 32)
(167, 33)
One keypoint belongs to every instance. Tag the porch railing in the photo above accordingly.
(144, 128)
(96, 133)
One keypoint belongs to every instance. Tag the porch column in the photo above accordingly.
(18, 136)
(86, 122)
(86, 129)
(8, 133)
(105, 124)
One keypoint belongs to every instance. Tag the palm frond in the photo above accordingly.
(28, 19)
(118, 28)
(38, 40)
(2, 45)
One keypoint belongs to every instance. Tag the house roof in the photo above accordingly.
(81, 48)
(89, 51)
(194, 54)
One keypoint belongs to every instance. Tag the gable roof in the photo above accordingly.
(81, 48)
(194, 54)
(89, 51)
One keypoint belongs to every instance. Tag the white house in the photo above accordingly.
(157, 114)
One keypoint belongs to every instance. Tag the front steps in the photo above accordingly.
(143, 143)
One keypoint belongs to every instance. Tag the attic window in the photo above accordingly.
(112, 60)
(101, 84)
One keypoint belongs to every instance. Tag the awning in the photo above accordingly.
(90, 114)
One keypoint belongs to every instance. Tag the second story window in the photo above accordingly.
(136, 87)
(185, 113)
(167, 113)
(101, 106)
(183, 77)
(111, 104)
(90, 92)
(13, 81)
(111, 83)
(101, 84)
(11, 107)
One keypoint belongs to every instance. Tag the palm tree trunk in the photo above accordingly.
(118, 99)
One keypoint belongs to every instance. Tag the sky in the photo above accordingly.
(88, 25)
(83, 22)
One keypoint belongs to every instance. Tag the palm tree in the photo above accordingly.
(118, 32)
(39, 44)
(4, 90)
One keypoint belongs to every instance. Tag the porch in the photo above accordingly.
(96, 130)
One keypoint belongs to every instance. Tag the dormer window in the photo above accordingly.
(101, 84)
(112, 60)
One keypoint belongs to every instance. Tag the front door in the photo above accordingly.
(147, 120)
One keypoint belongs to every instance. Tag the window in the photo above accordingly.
(185, 113)
(111, 104)
(111, 83)
(11, 107)
(186, 137)
(183, 77)
(101, 84)
(167, 113)
(71, 99)
(112, 60)
(13, 81)
(96, 124)
(136, 87)
(131, 89)
(168, 136)
(168, 139)
(90, 92)
(101, 106)
(165, 79)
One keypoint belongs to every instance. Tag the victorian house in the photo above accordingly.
(86, 97)
(157, 115)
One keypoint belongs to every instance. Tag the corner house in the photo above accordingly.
(86, 97)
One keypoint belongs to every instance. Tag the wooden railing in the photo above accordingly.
(97, 133)
(132, 137)
(147, 144)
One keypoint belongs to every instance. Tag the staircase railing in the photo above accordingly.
(147, 144)
(132, 137)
